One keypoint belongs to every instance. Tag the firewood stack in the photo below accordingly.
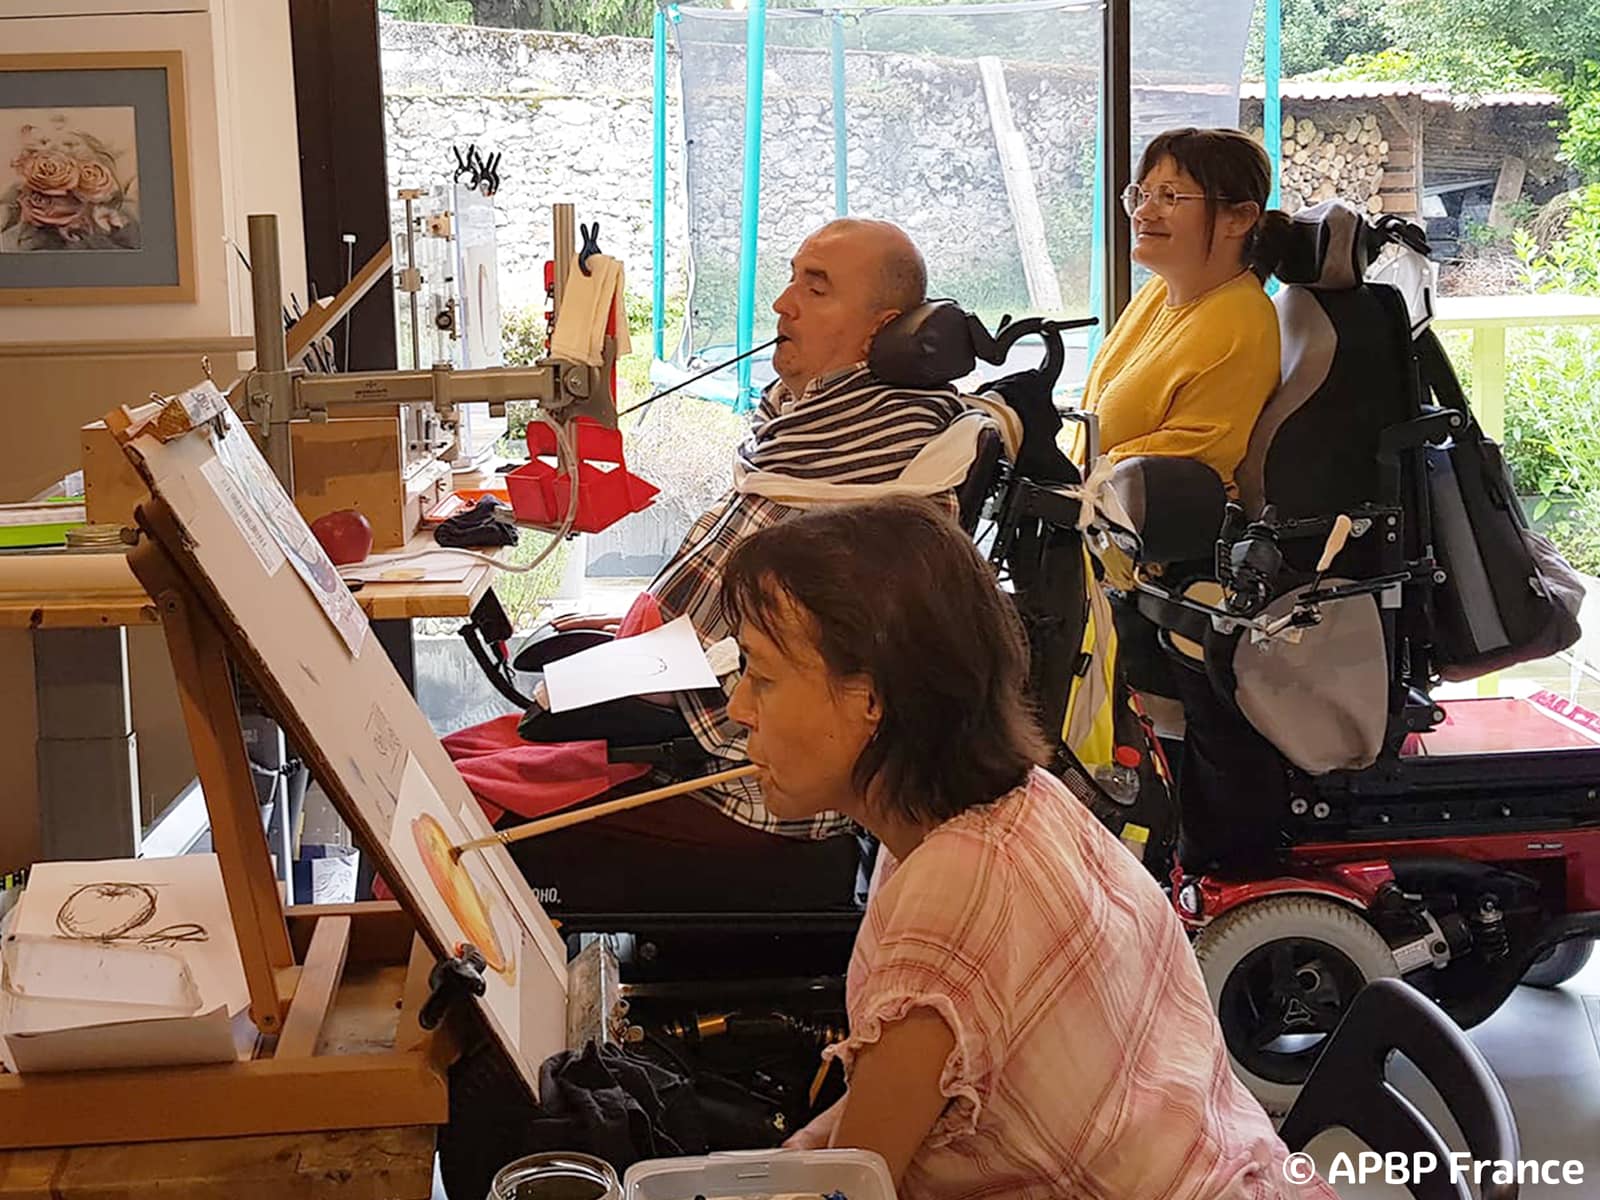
(1327, 159)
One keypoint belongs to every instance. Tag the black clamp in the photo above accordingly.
(450, 980)
(482, 174)
(591, 245)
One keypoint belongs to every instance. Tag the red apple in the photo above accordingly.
(345, 535)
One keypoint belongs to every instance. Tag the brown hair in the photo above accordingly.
(1231, 168)
(895, 591)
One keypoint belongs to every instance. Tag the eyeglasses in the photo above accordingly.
(1164, 198)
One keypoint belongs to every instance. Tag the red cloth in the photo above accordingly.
(643, 615)
(532, 779)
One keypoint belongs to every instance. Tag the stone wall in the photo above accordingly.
(572, 116)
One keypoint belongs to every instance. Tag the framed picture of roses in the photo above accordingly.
(94, 179)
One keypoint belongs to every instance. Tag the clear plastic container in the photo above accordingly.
(859, 1174)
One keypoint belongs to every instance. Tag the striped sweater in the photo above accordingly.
(848, 437)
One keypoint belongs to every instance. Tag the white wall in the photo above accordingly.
(243, 150)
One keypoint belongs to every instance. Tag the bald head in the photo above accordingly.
(848, 280)
(901, 276)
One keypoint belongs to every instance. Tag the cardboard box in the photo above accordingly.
(347, 462)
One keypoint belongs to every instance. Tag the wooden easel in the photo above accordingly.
(298, 1082)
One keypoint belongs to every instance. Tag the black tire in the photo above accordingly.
(1281, 973)
(1559, 963)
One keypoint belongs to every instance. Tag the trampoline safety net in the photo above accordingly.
(973, 126)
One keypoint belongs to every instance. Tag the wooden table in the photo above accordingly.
(98, 591)
(78, 607)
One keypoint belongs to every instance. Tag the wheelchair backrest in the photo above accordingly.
(1346, 375)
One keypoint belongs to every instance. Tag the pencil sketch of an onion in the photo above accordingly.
(460, 895)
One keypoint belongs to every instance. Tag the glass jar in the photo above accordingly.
(556, 1176)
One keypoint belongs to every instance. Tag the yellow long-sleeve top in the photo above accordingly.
(1187, 381)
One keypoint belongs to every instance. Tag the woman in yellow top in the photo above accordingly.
(1185, 372)
(1189, 366)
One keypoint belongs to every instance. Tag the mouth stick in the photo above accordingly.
(579, 816)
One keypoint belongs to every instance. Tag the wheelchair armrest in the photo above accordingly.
(1176, 506)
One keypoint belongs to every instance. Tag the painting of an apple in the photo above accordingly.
(460, 895)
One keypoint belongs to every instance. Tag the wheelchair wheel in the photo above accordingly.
(1281, 974)
(1559, 963)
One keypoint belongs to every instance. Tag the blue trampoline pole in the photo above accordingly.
(755, 69)
(658, 193)
(841, 144)
(1272, 101)
(1272, 105)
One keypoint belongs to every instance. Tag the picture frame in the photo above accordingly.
(95, 204)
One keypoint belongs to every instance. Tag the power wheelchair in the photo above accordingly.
(1373, 829)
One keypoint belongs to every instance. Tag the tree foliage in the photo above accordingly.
(1493, 45)
(435, 12)
(1317, 34)
(598, 18)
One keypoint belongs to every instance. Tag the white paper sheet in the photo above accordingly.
(668, 659)
(435, 566)
(190, 915)
(244, 516)
(164, 908)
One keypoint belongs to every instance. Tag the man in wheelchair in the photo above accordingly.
(829, 429)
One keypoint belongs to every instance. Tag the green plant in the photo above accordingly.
(526, 596)
(522, 335)
(437, 12)
(1552, 440)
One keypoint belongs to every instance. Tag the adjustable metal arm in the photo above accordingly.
(276, 393)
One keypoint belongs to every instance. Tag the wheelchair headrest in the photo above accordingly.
(938, 342)
(1332, 245)
(1175, 505)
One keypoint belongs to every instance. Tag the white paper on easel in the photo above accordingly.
(461, 895)
(668, 659)
(246, 518)
(264, 495)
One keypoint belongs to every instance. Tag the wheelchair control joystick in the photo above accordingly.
(1254, 562)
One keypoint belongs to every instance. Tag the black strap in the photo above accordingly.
(1165, 614)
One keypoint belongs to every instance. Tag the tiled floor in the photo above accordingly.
(1545, 1047)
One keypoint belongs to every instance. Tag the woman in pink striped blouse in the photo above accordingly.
(1026, 1017)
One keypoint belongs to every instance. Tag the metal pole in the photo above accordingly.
(1272, 107)
(413, 282)
(658, 193)
(1116, 115)
(1272, 103)
(272, 382)
(755, 69)
(565, 231)
(841, 142)
(1097, 235)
